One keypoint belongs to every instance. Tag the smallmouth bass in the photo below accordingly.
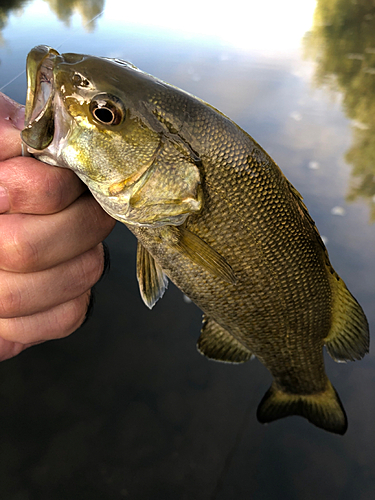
(212, 212)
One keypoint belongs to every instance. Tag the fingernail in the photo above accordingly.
(4, 200)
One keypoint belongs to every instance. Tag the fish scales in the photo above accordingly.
(212, 212)
(274, 284)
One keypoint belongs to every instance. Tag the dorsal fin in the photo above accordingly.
(217, 343)
(151, 278)
(348, 338)
(299, 198)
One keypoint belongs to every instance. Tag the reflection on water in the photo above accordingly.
(126, 408)
(30, 13)
(88, 10)
(64, 10)
(6, 7)
(342, 42)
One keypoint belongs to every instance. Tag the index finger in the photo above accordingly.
(33, 187)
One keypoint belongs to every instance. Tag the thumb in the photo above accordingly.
(12, 117)
(12, 111)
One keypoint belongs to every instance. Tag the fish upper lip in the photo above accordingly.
(40, 65)
(44, 91)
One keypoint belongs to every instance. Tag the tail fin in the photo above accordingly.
(323, 409)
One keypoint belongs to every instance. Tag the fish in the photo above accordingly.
(212, 212)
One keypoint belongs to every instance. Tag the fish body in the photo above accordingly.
(212, 212)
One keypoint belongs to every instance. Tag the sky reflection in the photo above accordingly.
(268, 27)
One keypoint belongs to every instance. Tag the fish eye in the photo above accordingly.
(107, 109)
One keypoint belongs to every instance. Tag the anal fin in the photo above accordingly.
(323, 409)
(151, 278)
(348, 338)
(217, 343)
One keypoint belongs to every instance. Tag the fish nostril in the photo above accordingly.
(70, 58)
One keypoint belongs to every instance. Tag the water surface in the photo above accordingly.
(126, 407)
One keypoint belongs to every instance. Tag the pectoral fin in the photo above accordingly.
(205, 256)
(218, 344)
(151, 278)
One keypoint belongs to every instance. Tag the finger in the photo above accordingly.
(26, 294)
(58, 322)
(10, 349)
(32, 243)
(11, 122)
(33, 187)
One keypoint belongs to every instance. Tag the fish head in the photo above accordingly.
(103, 119)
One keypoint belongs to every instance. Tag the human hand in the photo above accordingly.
(51, 254)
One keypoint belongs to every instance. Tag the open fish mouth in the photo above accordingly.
(39, 114)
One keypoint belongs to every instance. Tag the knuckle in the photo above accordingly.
(10, 349)
(92, 267)
(97, 264)
(55, 192)
(71, 315)
(17, 253)
(10, 301)
(11, 329)
(40, 188)
(58, 322)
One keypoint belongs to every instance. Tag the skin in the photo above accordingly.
(51, 253)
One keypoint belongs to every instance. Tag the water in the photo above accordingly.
(126, 407)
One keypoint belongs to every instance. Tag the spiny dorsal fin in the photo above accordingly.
(298, 197)
(323, 409)
(151, 278)
(204, 255)
(348, 338)
(216, 343)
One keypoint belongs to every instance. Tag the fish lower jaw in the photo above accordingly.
(109, 203)
(44, 156)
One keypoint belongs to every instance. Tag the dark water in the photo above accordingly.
(126, 407)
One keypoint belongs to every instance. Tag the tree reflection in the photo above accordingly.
(88, 9)
(64, 9)
(5, 7)
(342, 41)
